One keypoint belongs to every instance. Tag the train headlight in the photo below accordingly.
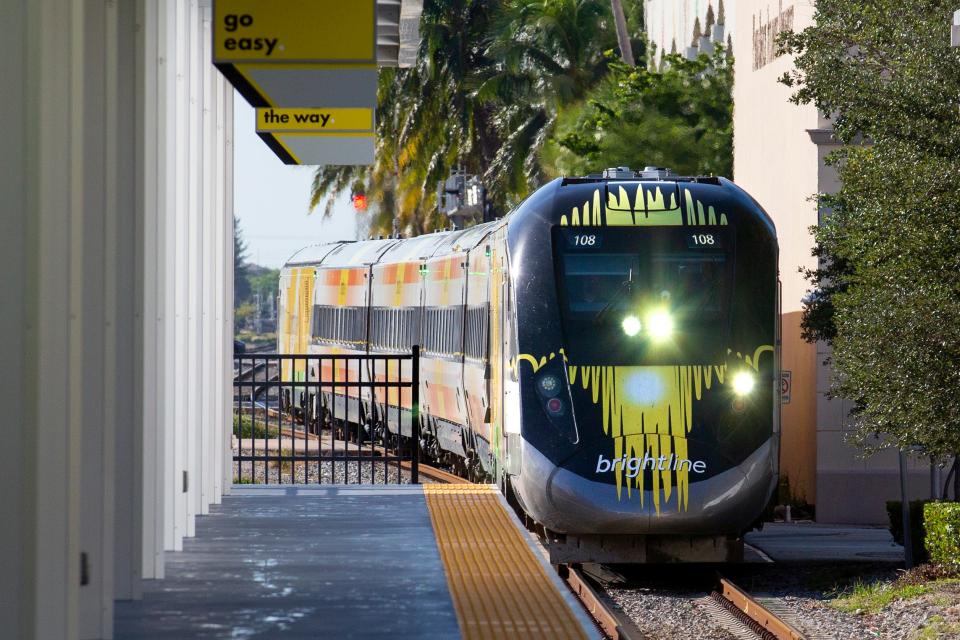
(660, 325)
(631, 325)
(549, 385)
(743, 383)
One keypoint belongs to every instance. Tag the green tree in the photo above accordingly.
(429, 121)
(241, 271)
(488, 83)
(550, 54)
(266, 283)
(680, 117)
(887, 292)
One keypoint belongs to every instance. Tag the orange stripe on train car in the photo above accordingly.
(400, 272)
(333, 277)
(388, 274)
(447, 269)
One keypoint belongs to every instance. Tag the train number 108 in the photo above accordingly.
(703, 239)
(584, 240)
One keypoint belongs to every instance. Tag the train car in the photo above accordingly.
(607, 353)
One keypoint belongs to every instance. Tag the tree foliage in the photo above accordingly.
(520, 91)
(681, 117)
(265, 283)
(490, 79)
(887, 292)
(241, 286)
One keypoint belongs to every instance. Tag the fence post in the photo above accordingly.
(415, 415)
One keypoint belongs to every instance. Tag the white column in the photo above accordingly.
(218, 241)
(149, 112)
(190, 375)
(208, 397)
(124, 405)
(15, 529)
(44, 243)
(179, 251)
(171, 54)
(227, 299)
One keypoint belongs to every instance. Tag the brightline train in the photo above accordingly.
(606, 353)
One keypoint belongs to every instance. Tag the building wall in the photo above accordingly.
(775, 161)
(779, 151)
(116, 249)
(670, 23)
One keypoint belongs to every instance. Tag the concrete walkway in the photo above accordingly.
(331, 562)
(810, 542)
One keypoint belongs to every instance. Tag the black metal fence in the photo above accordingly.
(326, 419)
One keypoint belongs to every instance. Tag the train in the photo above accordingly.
(607, 353)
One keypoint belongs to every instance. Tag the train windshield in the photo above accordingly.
(644, 295)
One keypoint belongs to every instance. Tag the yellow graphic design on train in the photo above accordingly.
(648, 206)
(342, 288)
(298, 313)
(648, 412)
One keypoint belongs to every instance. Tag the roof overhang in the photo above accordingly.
(316, 55)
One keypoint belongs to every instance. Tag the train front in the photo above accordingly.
(646, 320)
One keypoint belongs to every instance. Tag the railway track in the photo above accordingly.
(437, 475)
(614, 623)
(747, 616)
(730, 607)
(752, 614)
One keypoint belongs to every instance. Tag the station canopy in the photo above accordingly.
(309, 67)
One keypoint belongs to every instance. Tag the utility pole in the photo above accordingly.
(626, 51)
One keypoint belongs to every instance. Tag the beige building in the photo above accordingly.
(779, 151)
(688, 27)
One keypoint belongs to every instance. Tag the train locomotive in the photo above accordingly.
(607, 353)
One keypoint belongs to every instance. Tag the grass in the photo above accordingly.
(875, 596)
(938, 627)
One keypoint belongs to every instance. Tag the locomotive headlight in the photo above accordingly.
(631, 325)
(549, 385)
(660, 325)
(743, 383)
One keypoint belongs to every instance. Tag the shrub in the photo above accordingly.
(245, 427)
(942, 523)
(916, 526)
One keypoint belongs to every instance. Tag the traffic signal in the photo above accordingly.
(359, 202)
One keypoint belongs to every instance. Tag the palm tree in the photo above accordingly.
(623, 40)
(549, 54)
(428, 121)
(488, 83)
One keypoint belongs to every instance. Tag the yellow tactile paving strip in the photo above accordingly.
(499, 588)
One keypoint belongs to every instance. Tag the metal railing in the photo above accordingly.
(326, 418)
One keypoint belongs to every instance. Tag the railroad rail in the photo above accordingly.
(752, 614)
(614, 623)
(437, 475)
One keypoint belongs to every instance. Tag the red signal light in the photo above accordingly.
(359, 202)
(555, 406)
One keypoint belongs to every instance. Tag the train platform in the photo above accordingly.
(812, 542)
(355, 561)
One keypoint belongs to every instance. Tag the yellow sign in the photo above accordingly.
(295, 30)
(314, 120)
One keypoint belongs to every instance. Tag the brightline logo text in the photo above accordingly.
(633, 466)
